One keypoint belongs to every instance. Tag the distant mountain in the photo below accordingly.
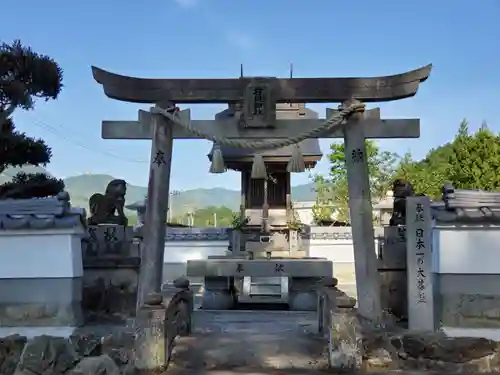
(81, 187)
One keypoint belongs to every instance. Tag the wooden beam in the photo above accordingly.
(294, 90)
(374, 129)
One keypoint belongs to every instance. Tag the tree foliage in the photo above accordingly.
(331, 190)
(25, 76)
(470, 161)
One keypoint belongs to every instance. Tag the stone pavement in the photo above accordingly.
(244, 340)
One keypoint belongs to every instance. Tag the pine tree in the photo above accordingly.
(24, 77)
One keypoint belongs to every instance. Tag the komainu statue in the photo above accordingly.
(108, 208)
(401, 189)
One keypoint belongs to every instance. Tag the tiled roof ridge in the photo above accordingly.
(53, 212)
(467, 206)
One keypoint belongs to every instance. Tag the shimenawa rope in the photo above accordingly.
(259, 145)
(296, 163)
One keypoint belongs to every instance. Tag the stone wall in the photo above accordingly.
(357, 344)
(102, 350)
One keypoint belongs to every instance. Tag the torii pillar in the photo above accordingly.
(361, 217)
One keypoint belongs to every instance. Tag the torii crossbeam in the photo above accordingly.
(374, 128)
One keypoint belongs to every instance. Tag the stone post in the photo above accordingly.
(235, 241)
(265, 208)
(419, 256)
(151, 346)
(150, 280)
(361, 211)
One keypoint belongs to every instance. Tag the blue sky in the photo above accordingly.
(210, 38)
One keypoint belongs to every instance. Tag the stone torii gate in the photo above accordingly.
(253, 102)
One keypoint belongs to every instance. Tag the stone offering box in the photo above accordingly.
(40, 265)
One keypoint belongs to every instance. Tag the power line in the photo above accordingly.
(55, 131)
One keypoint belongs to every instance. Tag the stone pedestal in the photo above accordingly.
(111, 264)
(303, 294)
(151, 345)
(41, 280)
(235, 241)
(159, 321)
(345, 341)
(217, 294)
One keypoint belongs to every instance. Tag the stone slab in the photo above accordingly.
(272, 267)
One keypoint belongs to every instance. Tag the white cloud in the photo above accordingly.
(240, 40)
(187, 4)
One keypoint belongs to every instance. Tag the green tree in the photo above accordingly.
(470, 161)
(24, 77)
(331, 190)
